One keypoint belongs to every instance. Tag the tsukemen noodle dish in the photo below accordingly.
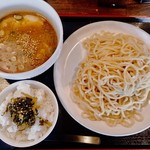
(27, 40)
(112, 84)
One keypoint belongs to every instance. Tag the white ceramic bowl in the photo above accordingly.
(47, 11)
(37, 85)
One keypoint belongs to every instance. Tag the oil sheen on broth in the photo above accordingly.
(27, 40)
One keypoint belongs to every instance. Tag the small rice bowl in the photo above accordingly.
(47, 109)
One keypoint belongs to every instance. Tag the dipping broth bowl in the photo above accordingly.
(46, 11)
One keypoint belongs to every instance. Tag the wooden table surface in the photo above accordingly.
(101, 8)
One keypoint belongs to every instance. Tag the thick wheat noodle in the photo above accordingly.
(113, 82)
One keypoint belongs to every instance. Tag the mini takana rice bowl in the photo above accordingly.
(28, 113)
(46, 11)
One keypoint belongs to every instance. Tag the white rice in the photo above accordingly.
(46, 111)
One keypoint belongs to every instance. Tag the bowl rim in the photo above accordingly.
(39, 85)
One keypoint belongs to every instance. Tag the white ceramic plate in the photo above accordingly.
(64, 69)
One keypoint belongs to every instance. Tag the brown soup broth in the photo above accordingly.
(27, 40)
